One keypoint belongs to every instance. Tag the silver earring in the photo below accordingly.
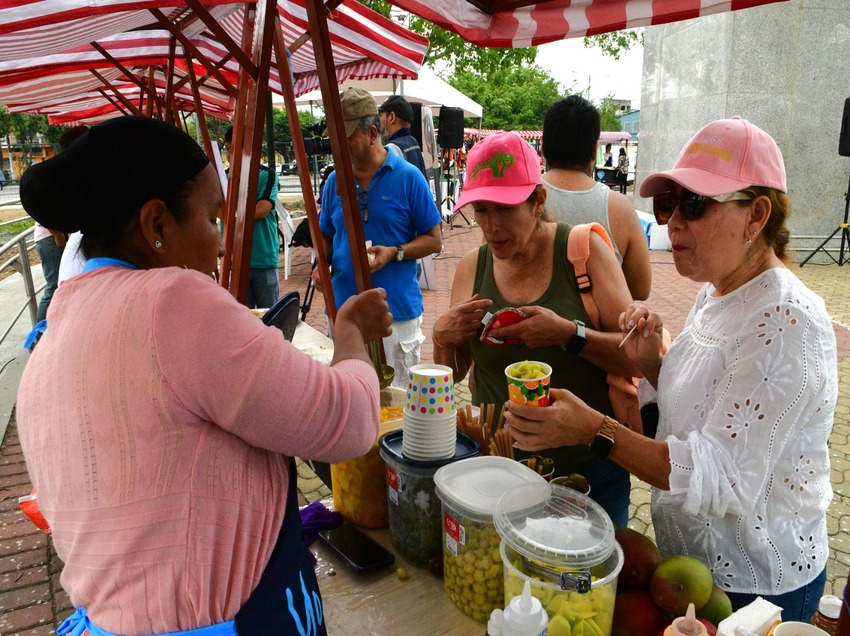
(157, 244)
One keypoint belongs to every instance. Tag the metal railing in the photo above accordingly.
(23, 244)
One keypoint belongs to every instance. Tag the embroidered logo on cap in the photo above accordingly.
(497, 163)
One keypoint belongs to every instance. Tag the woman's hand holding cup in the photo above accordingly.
(567, 421)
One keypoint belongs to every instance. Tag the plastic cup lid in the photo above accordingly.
(555, 525)
(474, 485)
(391, 446)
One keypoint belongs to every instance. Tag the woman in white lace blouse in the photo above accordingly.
(746, 393)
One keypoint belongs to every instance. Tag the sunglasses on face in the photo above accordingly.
(691, 205)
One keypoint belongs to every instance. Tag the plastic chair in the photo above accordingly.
(284, 314)
(287, 228)
(292, 237)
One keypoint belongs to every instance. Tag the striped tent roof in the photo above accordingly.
(49, 48)
(520, 23)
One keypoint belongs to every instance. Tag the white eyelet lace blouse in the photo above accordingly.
(746, 396)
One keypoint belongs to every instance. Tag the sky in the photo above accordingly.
(569, 60)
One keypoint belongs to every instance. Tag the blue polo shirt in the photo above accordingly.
(400, 209)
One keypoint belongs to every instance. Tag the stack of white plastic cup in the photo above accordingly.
(430, 416)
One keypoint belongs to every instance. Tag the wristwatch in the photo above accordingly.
(604, 441)
(577, 342)
(399, 256)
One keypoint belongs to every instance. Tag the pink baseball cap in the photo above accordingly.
(502, 168)
(725, 156)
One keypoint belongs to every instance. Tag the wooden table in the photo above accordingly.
(380, 603)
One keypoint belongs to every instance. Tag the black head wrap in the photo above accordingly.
(104, 177)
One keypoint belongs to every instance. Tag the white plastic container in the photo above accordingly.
(472, 566)
(562, 544)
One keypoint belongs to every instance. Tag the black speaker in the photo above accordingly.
(844, 138)
(450, 134)
(416, 124)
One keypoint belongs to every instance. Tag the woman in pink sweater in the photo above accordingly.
(159, 417)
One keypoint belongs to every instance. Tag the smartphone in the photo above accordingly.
(359, 550)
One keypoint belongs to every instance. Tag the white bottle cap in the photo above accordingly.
(830, 606)
(524, 615)
(496, 623)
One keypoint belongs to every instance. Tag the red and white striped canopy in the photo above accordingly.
(47, 54)
(520, 23)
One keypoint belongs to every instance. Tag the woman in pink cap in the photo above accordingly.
(523, 264)
(746, 393)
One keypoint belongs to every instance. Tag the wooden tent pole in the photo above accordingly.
(199, 107)
(287, 82)
(251, 122)
(339, 143)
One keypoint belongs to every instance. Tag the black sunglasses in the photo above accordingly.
(691, 205)
(363, 200)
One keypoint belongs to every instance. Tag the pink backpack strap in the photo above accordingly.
(578, 251)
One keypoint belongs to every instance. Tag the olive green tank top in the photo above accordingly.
(569, 371)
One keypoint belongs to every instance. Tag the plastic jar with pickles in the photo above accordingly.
(562, 543)
(472, 566)
(358, 485)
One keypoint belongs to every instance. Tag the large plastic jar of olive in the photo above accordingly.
(414, 508)
(358, 484)
(472, 566)
(562, 543)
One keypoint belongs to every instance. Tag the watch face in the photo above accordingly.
(601, 446)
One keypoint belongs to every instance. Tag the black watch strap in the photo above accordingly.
(604, 441)
(577, 342)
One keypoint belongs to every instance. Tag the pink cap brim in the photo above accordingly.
(696, 180)
(503, 195)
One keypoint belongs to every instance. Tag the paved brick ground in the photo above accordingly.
(32, 602)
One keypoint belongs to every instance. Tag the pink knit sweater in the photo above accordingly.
(156, 417)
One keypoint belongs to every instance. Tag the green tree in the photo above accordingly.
(615, 43)
(609, 114)
(25, 129)
(513, 98)
(53, 133)
(452, 51)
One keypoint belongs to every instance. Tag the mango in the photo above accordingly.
(636, 614)
(640, 559)
(718, 607)
(681, 580)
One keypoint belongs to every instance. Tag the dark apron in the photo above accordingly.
(287, 599)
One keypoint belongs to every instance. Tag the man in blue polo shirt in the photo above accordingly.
(399, 217)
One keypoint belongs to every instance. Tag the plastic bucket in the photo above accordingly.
(414, 509)
(472, 565)
(358, 485)
(563, 544)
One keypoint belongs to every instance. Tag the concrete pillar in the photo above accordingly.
(786, 68)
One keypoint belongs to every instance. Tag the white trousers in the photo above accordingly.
(403, 348)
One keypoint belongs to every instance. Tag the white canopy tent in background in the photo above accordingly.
(428, 89)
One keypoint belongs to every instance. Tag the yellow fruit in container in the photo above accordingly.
(359, 485)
